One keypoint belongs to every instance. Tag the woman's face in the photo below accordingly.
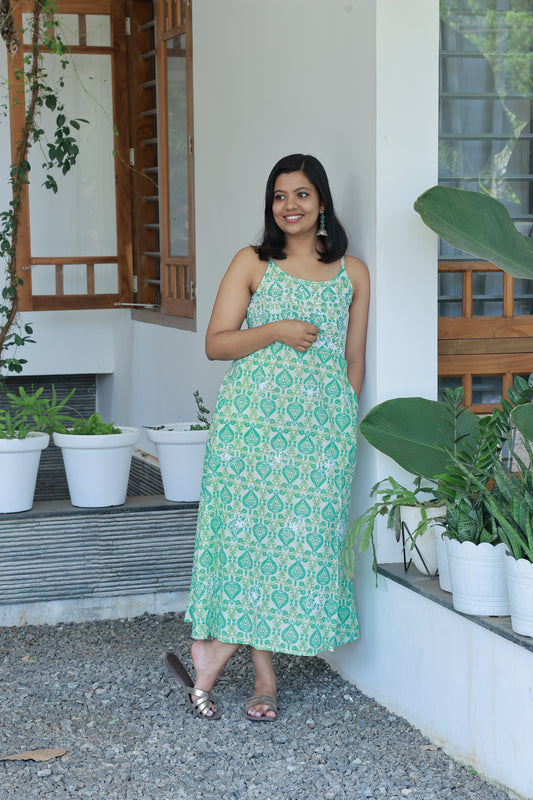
(296, 203)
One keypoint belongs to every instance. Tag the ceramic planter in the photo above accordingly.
(97, 467)
(19, 462)
(181, 457)
(442, 557)
(477, 575)
(519, 574)
(423, 553)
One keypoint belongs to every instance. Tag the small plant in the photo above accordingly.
(390, 495)
(33, 412)
(92, 427)
(201, 413)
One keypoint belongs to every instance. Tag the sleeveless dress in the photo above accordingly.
(277, 483)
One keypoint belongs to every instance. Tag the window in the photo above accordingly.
(74, 248)
(120, 231)
(486, 144)
(160, 64)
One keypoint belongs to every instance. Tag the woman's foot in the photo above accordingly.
(265, 687)
(208, 658)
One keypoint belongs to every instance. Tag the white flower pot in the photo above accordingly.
(423, 553)
(181, 458)
(477, 576)
(442, 557)
(519, 574)
(19, 462)
(98, 467)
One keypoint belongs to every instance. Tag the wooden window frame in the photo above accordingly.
(493, 345)
(164, 282)
(115, 9)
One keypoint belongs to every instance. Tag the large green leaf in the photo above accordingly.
(478, 224)
(522, 417)
(412, 431)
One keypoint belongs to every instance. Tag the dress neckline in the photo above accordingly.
(304, 280)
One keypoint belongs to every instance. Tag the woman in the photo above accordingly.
(281, 451)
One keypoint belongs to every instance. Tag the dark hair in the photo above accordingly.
(334, 245)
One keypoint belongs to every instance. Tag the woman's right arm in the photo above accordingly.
(224, 340)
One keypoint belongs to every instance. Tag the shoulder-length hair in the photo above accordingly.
(332, 246)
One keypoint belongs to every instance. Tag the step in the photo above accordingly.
(60, 563)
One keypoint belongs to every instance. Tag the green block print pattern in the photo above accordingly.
(276, 486)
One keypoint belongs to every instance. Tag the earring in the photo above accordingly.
(322, 221)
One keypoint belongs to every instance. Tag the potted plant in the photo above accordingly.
(97, 458)
(418, 434)
(408, 510)
(511, 505)
(25, 427)
(445, 443)
(180, 449)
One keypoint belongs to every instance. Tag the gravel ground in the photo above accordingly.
(100, 690)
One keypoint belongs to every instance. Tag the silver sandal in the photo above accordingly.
(199, 701)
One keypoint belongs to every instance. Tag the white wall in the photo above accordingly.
(268, 81)
(402, 351)
(468, 689)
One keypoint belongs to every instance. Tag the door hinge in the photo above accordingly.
(132, 156)
(190, 145)
(193, 290)
(128, 26)
(135, 284)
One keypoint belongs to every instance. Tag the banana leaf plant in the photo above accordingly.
(454, 450)
(478, 224)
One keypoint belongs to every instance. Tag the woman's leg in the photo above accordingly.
(208, 658)
(265, 682)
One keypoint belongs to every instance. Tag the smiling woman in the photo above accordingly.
(281, 450)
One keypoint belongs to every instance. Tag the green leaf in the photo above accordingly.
(522, 417)
(414, 432)
(478, 224)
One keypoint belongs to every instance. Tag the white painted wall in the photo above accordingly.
(268, 81)
(468, 689)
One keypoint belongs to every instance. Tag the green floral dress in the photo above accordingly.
(277, 482)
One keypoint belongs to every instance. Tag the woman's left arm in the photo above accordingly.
(356, 335)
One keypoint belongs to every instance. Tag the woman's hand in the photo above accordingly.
(297, 334)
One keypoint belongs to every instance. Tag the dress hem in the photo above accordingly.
(286, 651)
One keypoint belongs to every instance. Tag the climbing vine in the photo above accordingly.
(60, 151)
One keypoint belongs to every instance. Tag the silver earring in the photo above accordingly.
(322, 223)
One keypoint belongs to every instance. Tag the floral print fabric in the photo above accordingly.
(277, 480)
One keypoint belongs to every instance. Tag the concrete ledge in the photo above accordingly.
(430, 588)
(95, 563)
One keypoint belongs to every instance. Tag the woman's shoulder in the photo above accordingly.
(246, 256)
(357, 272)
(247, 264)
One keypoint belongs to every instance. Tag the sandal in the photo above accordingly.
(264, 700)
(199, 701)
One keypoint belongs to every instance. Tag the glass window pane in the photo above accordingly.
(105, 278)
(452, 382)
(87, 192)
(487, 294)
(98, 30)
(68, 28)
(75, 279)
(450, 294)
(486, 389)
(523, 297)
(43, 279)
(485, 102)
(177, 147)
